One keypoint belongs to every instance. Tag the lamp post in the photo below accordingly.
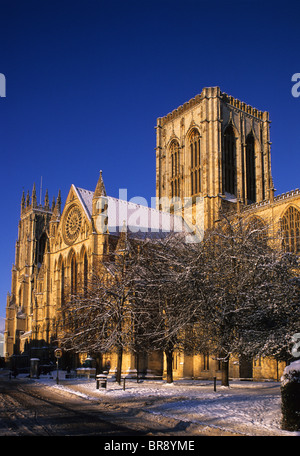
(57, 354)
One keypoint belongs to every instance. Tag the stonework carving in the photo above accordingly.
(72, 224)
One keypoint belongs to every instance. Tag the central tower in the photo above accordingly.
(216, 147)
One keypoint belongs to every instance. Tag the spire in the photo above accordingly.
(56, 208)
(58, 203)
(100, 188)
(23, 201)
(46, 203)
(27, 199)
(33, 197)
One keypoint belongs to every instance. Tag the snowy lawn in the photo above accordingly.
(248, 408)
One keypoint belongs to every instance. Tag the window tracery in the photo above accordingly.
(229, 161)
(250, 168)
(175, 169)
(195, 154)
(290, 225)
(73, 274)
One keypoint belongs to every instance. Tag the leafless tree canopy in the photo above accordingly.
(234, 292)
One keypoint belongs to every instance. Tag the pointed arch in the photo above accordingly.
(290, 226)
(41, 248)
(73, 272)
(82, 252)
(59, 262)
(174, 150)
(85, 272)
(250, 168)
(62, 283)
(84, 267)
(229, 161)
(195, 160)
(21, 298)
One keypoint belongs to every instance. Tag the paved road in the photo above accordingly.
(26, 409)
(29, 408)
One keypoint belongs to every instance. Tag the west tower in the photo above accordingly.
(29, 271)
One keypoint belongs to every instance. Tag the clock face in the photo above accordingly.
(72, 225)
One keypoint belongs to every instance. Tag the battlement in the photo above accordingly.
(37, 208)
(242, 106)
(213, 92)
(277, 199)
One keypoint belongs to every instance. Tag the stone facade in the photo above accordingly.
(56, 250)
(214, 135)
(214, 149)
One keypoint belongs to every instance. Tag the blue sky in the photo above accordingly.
(87, 79)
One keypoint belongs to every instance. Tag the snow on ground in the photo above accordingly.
(247, 408)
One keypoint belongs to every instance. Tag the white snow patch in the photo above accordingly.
(294, 366)
(245, 407)
(288, 372)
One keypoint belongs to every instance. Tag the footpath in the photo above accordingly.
(188, 406)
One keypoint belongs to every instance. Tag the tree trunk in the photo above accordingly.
(137, 360)
(119, 365)
(99, 363)
(225, 371)
(169, 358)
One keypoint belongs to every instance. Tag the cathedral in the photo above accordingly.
(213, 153)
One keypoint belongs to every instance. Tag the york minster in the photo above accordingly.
(214, 149)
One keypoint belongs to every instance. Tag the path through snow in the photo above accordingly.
(247, 408)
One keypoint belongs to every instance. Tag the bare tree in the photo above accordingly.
(99, 318)
(251, 288)
(233, 293)
(162, 285)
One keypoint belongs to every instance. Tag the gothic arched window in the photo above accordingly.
(175, 168)
(195, 153)
(290, 225)
(229, 161)
(62, 284)
(41, 248)
(73, 274)
(250, 168)
(85, 272)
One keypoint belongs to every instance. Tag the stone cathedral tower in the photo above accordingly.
(28, 272)
(215, 147)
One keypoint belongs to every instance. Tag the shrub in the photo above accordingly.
(290, 397)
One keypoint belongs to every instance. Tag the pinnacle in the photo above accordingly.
(100, 187)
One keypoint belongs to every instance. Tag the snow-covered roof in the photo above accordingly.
(137, 218)
(86, 198)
